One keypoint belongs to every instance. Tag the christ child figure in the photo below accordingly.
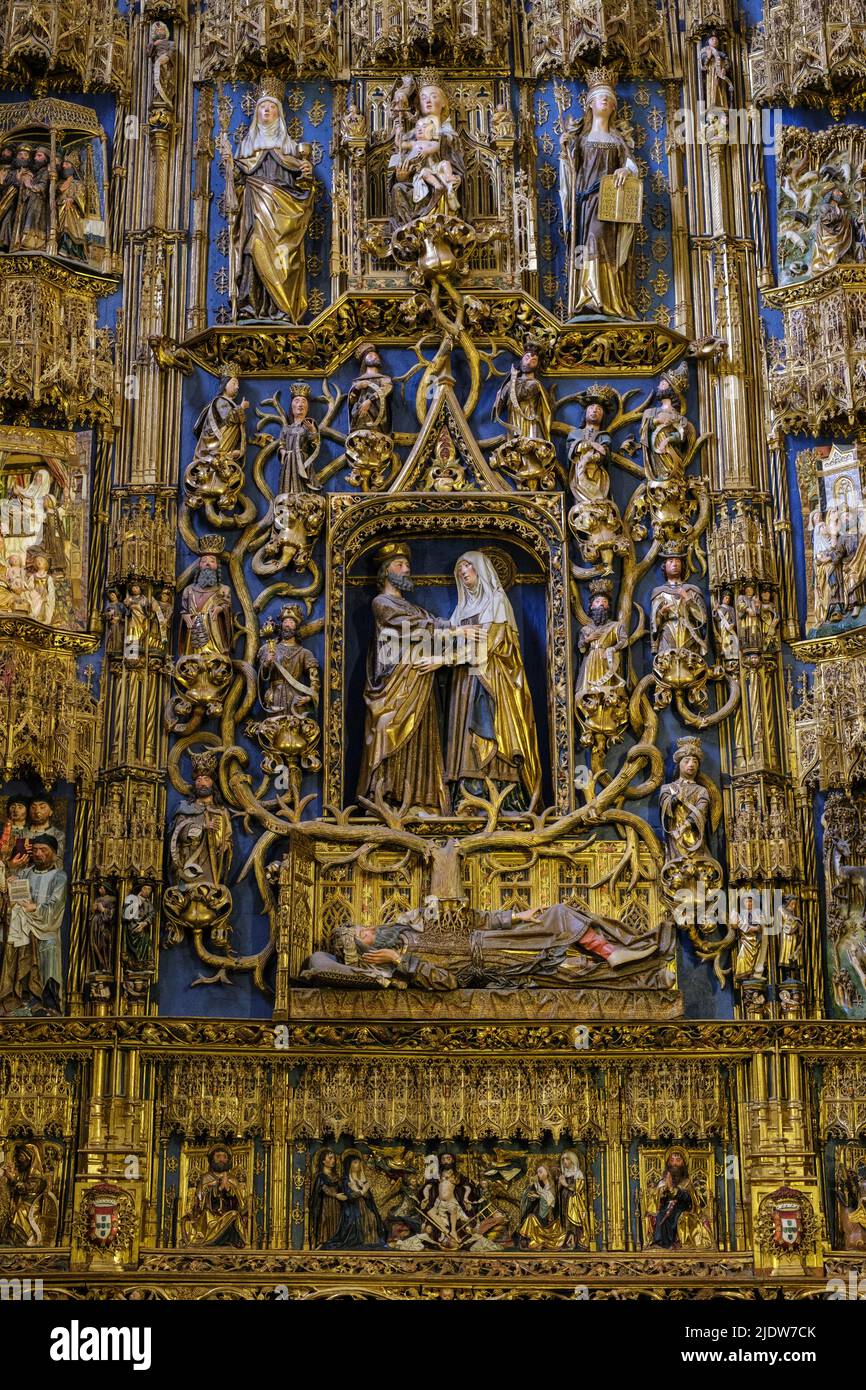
(420, 151)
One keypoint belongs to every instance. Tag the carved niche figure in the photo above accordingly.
(679, 1219)
(600, 698)
(113, 616)
(669, 442)
(31, 977)
(288, 689)
(299, 444)
(559, 945)
(369, 446)
(402, 757)
(750, 927)
(528, 454)
(32, 214)
(200, 853)
(540, 1227)
(749, 621)
(839, 234)
(8, 193)
(216, 473)
(715, 65)
(326, 1199)
(71, 210)
(428, 167)
(360, 1226)
(572, 1202)
(161, 51)
(725, 627)
(678, 626)
(103, 915)
(491, 721)
(690, 806)
(31, 1205)
(269, 187)
(790, 938)
(851, 1200)
(298, 510)
(218, 1214)
(502, 124)
(594, 519)
(203, 669)
(138, 913)
(139, 622)
(769, 619)
(599, 250)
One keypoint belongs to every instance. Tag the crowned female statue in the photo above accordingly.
(598, 249)
(491, 722)
(270, 196)
(428, 166)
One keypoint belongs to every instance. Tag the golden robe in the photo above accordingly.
(274, 214)
(402, 756)
(496, 740)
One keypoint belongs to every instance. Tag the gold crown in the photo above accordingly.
(678, 378)
(601, 79)
(300, 388)
(204, 764)
(272, 87)
(292, 610)
(362, 350)
(430, 77)
(211, 545)
(601, 586)
(598, 395)
(689, 747)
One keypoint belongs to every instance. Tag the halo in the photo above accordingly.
(505, 567)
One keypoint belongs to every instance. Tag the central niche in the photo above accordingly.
(519, 553)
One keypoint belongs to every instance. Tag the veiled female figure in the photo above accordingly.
(491, 722)
(540, 1227)
(572, 1202)
(360, 1226)
(273, 203)
(598, 252)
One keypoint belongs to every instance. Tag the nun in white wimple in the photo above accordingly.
(491, 722)
(272, 194)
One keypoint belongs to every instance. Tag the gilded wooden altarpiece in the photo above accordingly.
(432, 648)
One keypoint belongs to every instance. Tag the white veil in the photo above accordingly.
(488, 602)
(262, 137)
